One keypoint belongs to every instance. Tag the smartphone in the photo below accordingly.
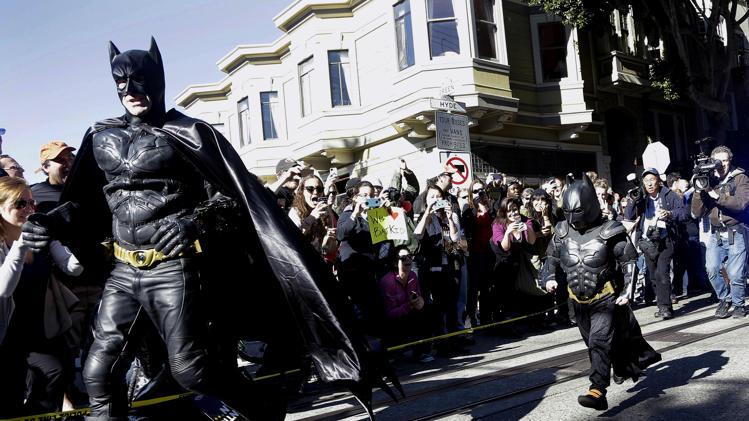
(495, 176)
(332, 174)
(374, 202)
(441, 204)
(414, 295)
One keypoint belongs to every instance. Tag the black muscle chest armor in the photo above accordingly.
(149, 182)
(587, 261)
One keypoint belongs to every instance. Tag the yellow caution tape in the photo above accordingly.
(155, 401)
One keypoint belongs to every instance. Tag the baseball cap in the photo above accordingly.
(651, 171)
(52, 150)
(353, 181)
(285, 164)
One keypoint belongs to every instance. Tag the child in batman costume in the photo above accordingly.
(599, 261)
(175, 206)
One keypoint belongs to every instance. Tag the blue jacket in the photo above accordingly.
(669, 201)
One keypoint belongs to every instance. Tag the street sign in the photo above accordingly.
(452, 132)
(447, 105)
(656, 156)
(461, 163)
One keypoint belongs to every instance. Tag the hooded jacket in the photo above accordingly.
(730, 207)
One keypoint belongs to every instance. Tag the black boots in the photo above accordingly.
(595, 398)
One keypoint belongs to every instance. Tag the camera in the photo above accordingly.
(635, 193)
(704, 166)
(653, 233)
(393, 195)
(441, 204)
(374, 202)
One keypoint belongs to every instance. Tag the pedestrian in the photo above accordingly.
(56, 158)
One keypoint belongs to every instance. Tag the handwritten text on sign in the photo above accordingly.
(384, 225)
(452, 132)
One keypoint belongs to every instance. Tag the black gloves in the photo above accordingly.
(35, 232)
(173, 237)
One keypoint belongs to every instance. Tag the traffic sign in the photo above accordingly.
(452, 132)
(447, 105)
(656, 156)
(462, 168)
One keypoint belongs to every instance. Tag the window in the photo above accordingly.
(244, 121)
(443, 28)
(404, 37)
(486, 29)
(552, 41)
(340, 74)
(268, 108)
(305, 85)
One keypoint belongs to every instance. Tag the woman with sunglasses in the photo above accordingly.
(438, 231)
(404, 308)
(477, 227)
(30, 336)
(312, 212)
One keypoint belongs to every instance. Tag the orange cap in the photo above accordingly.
(52, 150)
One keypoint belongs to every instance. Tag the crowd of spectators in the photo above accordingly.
(470, 257)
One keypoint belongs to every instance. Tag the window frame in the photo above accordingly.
(408, 30)
(494, 23)
(302, 74)
(242, 129)
(270, 105)
(430, 21)
(343, 80)
(572, 59)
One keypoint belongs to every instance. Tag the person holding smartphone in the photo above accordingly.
(404, 307)
(314, 215)
(438, 231)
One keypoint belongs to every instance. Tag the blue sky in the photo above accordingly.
(55, 78)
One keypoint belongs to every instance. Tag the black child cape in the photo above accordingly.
(295, 293)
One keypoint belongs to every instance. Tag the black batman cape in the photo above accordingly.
(272, 283)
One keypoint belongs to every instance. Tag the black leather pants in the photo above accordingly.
(169, 294)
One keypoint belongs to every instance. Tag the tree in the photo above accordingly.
(700, 38)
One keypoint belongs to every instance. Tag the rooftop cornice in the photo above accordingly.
(206, 91)
(300, 9)
(260, 53)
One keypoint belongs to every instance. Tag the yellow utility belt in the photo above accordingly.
(149, 257)
(608, 289)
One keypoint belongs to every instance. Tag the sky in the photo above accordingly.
(55, 79)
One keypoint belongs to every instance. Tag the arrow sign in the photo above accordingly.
(656, 156)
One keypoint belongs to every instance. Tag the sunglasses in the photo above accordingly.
(14, 168)
(464, 197)
(478, 191)
(405, 257)
(23, 204)
(311, 189)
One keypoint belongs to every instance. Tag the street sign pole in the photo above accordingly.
(452, 138)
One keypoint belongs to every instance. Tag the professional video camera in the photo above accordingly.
(704, 166)
(635, 193)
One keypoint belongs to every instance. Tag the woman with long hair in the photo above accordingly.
(312, 212)
(513, 236)
(438, 231)
(29, 336)
(477, 227)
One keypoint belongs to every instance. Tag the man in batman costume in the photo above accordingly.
(600, 264)
(170, 198)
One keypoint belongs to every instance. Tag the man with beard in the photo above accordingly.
(56, 158)
(599, 261)
(183, 216)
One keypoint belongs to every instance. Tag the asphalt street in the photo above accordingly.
(703, 375)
